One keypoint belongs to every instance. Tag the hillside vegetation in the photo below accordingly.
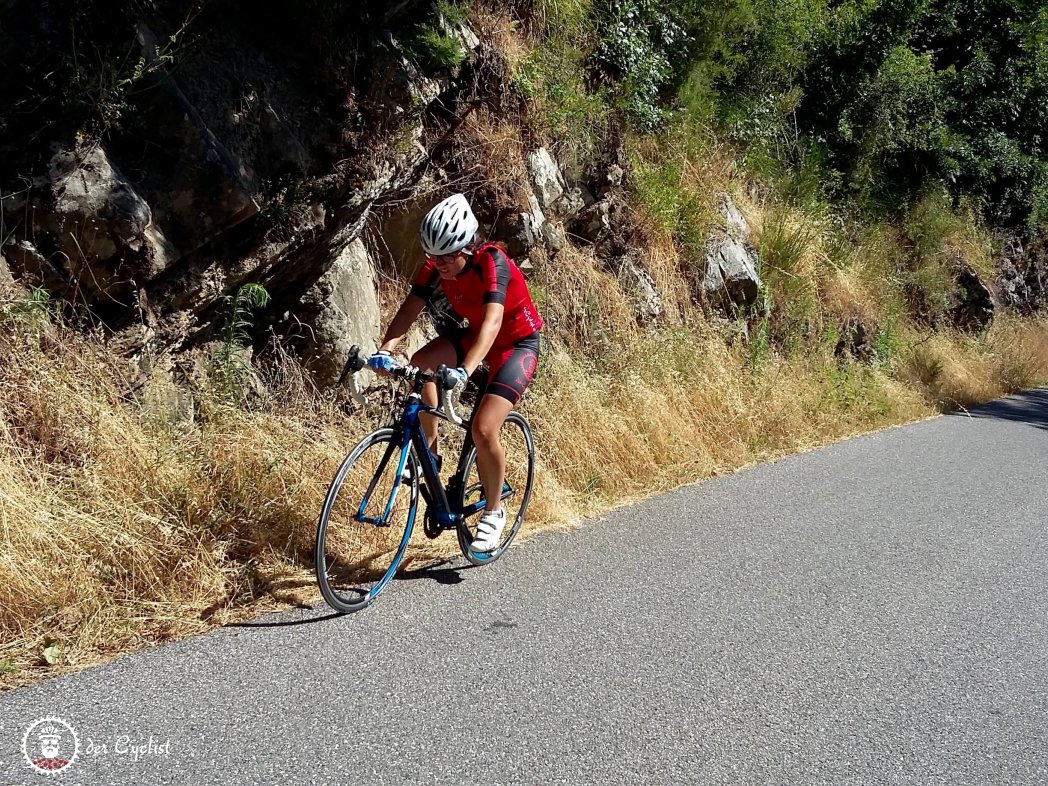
(885, 155)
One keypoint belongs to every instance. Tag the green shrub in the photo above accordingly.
(435, 49)
(229, 364)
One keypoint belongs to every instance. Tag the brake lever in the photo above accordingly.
(447, 402)
(358, 394)
(354, 364)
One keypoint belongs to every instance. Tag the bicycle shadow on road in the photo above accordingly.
(1030, 407)
(320, 613)
(436, 572)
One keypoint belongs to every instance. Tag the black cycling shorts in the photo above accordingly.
(512, 367)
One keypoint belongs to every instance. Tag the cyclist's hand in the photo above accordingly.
(382, 362)
(455, 378)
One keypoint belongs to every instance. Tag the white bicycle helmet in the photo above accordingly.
(449, 227)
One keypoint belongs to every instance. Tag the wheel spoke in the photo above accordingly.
(366, 524)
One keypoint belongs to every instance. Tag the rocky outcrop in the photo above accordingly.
(342, 306)
(594, 223)
(252, 167)
(6, 279)
(102, 230)
(1022, 277)
(974, 308)
(551, 204)
(730, 278)
(547, 180)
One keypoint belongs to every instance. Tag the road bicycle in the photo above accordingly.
(366, 524)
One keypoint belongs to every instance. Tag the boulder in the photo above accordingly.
(346, 311)
(593, 222)
(461, 32)
(547, 180)
(552, 237)
(731, 272)
(609, 180)
(6, 279)
(33, 268)
(640, 288)
(1022, 279)
(736, 223)
(100, 224)
(523, 233)
(576, 199)
(1012, 288)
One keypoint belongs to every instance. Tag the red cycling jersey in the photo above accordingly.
(489, 277)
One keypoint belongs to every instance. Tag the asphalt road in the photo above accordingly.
(875, 612)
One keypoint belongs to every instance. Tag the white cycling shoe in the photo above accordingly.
(489, 530)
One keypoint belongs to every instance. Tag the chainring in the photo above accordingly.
(430, 525)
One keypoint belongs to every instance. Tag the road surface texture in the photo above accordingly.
(875, 612)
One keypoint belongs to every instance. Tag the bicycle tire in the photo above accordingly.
(519, 444)
(350, 555)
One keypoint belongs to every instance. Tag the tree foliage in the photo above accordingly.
(890, 97)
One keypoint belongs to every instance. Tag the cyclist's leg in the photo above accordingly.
(511, 371)
(491, 458)
(441, 351)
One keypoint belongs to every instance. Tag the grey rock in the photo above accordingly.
(640, 288)
(731, 272)
(592, 223)
(531, 225)
(6, 279)
(423, 90)
(736, 223)
(347, 311)
(547, 180)
(514, 229)
(462, 33)
(32, 267)
(1022, 277)
(101, 225)
(612, 178)
(553, 237)
(577, 199)
(1012, 288)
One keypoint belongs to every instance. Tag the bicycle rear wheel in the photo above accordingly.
(366, 521)
(519, 446)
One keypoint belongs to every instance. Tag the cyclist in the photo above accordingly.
(485, 287)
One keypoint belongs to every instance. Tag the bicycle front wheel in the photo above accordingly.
(366, 521)
(519, 445)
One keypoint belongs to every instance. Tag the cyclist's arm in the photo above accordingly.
(489, 330)
(402, 322)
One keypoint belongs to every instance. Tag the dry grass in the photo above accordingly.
(959, 371)
(127, 522)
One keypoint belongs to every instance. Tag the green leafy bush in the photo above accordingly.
(230, 366)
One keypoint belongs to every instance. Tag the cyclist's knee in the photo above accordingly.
(485, 432)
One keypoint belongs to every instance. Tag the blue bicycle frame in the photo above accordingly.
(411, 433)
